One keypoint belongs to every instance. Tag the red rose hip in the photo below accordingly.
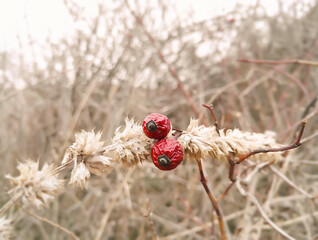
(156, 126)
(167, 154)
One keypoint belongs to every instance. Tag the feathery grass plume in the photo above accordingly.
(130, 146)
(200, 142)
(5, 229)
(36, 187)
(87, 154)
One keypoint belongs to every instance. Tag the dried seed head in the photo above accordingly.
(36, 187)
(86, 144)
(130, 146)
(80, 176)
(87, 154)
(201, 142)
(196, 140)
(241, 143)
(5, 229)
(85, 165)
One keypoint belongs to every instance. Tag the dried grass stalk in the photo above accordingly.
(130, 146)
(200, 142)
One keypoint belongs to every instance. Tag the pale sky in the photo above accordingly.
(42, 17)
(49, 19)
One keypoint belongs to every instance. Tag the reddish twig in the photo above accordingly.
(295, 80)
(280, 62)
(216, 124)
(226, 191)
(266, 150)
(171, 69)
(213, 201)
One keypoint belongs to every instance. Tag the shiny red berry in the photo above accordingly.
(156, 126)
(167, 154)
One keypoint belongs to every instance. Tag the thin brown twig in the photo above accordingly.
(193, 218)
(10, 203)
(222, 90)
(71, 234)
(213, 201)
(111, 206)
(266, 150)
(61, 167)
(152, 226)
(280, 62)
(211, 109)
(315, 134)
(262, 212)
(290, 182)
(191, 215)
(74, 119)
(310, 106)
(225, 192)
(172, 71)
(295, 80)
(267, 219)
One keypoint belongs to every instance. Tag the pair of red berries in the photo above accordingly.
(166, 153)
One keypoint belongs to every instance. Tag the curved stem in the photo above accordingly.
(61, 167)
(297, 143)
(71, 234)
(172, 71)
(213, 201)
(12, 201)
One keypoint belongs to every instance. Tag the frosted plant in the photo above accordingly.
(34, 186)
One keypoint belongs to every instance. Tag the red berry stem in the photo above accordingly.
(177, 135)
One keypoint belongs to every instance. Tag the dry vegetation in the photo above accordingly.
(109, 69)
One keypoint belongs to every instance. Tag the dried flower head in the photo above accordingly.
(34, 186)
(201, 142)
(130, 146)
(197, 140)
(86, 144)
(80, 175)
(5, 228)
(87, 155)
